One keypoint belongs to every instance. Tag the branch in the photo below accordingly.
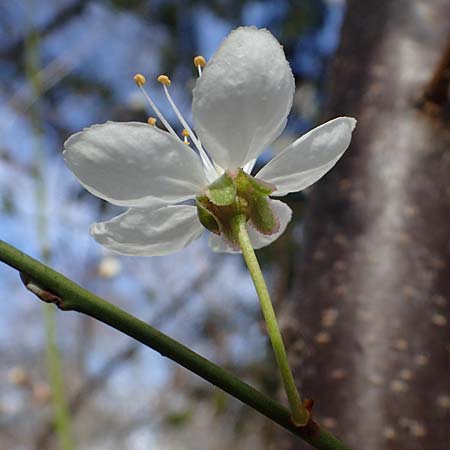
(53, 287)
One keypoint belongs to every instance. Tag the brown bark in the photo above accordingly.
(372, 301)
(437, 91)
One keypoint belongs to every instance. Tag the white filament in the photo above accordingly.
(158, 113)
(249, 166)
(210, 171)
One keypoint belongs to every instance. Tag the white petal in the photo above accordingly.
(243, 97)
(258, 240)
(132, 164)
(218, 244)
(309, 158)
(150, 232)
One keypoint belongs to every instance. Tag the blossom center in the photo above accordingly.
(234, 194)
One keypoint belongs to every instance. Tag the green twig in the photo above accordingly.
(300, 415)
(53, 287)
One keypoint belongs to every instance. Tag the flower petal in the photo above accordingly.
(309, 158)
(134, 164)
(258, 240)
(149, 232)
(219, 245)
(242, 100)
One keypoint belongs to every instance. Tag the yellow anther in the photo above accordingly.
(139, 79)
(185, 134)
(151, 121)
(199, 61)
(164, 79)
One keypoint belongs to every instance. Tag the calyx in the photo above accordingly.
(237, 194)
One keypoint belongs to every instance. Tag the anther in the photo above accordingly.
(139, 79)
(199, 61)
(164, 79)
(151, 121)
(185, 134)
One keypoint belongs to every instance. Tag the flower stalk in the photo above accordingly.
(300, 415)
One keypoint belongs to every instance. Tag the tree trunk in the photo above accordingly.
(373, 298)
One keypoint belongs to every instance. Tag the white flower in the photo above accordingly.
(240, 106)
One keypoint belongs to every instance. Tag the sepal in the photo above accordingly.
(206, 218)
(222, 192)
(262, 216)
(245, 183)
(233, 195)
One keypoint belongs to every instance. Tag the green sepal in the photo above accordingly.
(262, 217)
(222, 192)
(206, 218)
(246, 184)
(237, 194)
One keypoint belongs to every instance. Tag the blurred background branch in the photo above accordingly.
(55, 370)
(96, 382)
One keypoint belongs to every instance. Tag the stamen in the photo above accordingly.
(218, 169)
(165, 80)
(199, 62)
(249, 166)
(203, 155)
(140, 81)
(151, 121)
(185, 134)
